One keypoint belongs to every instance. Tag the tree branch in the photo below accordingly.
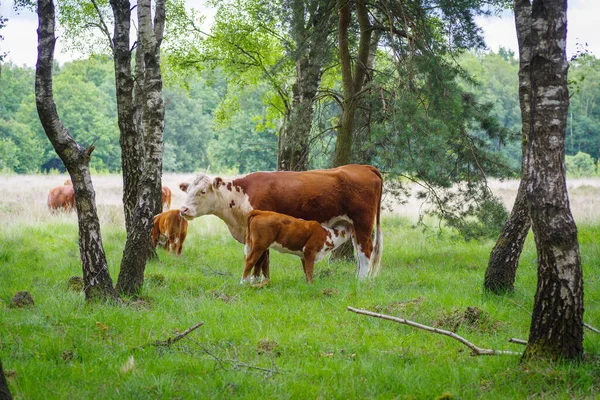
(591, 328)
(477, 351)
(170, 341)
(103, 26)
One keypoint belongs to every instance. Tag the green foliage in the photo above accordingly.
(87, 26)
(240, 145)
(583, 130)
(580, 165)
(85, 97)
(244, 45)
(285, 340)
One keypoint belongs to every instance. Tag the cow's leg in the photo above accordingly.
(252, 258)
(262, 266)
(361, 239)
(309, 263)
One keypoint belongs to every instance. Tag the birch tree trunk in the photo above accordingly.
(556, 330)
(132, 151)
(96, 278)
(138, 244)
(504, 258)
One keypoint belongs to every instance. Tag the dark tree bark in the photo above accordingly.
(4, 391)
(556, 330)
(353, 80)
(310, 28)
(504, 258)
(150, 140)
(96, 278)
(132, 152)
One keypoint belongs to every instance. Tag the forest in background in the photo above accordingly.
(203, 127)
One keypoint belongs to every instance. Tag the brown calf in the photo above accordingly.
(169, 231)
(309, 240)
(166, 198)
(62, 197)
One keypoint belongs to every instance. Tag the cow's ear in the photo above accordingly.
(184, 186)
(217, 182)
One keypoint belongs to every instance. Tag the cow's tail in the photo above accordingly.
(375, 260)
(248, 238)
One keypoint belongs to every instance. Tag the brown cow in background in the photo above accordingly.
(169, 231)
(62, 197)
(166, 198)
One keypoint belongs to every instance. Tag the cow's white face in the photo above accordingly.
(201, 198)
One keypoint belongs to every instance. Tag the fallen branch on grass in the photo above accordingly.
(591, 328)
(476, 350)
(518, 341)
(170, 341)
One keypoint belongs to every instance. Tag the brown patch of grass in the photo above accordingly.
(268, 347)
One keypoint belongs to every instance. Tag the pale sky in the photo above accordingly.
(20, 37)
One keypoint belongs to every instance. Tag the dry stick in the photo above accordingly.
(591, 328)
(476, 350)
(519, 341)
(170, 341)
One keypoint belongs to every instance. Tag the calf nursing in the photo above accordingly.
(309, 240)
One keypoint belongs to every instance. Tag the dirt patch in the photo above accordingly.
(22, 299)
(268, 347)
(75, 283)
(472, 318)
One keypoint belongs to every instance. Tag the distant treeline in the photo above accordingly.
(197, 135)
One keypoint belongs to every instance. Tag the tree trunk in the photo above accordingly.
(96, 278)
(504, 258)
(310, 27)
(353, 81)
(138, 245)
(130, 139)
(556, 330)
(4, 391)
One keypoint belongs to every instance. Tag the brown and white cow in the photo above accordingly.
(309, 240)
(169, 231)
(62, 197)
(350, 193)
(166, 198)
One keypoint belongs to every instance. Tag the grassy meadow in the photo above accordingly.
(285, 340)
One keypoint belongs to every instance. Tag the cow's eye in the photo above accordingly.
(203, 192)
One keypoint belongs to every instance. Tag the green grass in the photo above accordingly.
(287, 340)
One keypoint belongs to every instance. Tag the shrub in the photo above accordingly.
(580, 165)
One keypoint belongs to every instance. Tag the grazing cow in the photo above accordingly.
(166, 198)
(309, 240)
(351, 193)
(169, 231)
(62, 197)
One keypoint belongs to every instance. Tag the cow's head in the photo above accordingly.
(201, 196)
